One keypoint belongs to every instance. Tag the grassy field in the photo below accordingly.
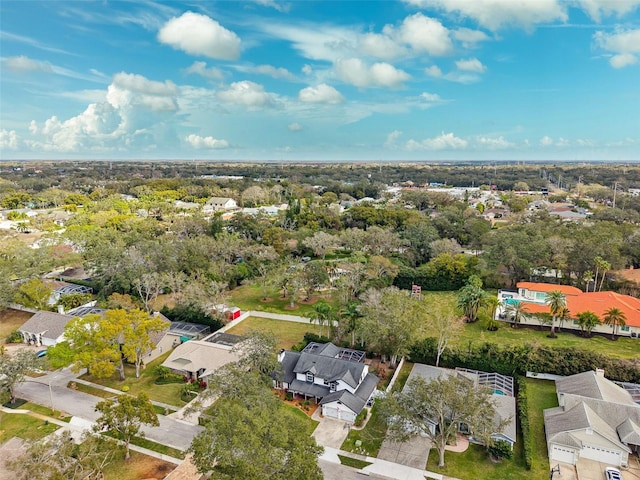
(249, 297)
(288, 333)
(10, 320)
(169, 394)
(23, 426)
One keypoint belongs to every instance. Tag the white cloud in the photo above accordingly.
(137, 114)
(471, 65)
(316, 41)
(247, 93)
(307, 70)
(198, 142)
(24, 64)
(295, 127)
(625, 44)
(279, 6)
(468, 37)
(9, 140)
(623, 60)
(433, 71)
(322, 93)
(380, 46)
(546, 141)
(425, 34)
(494, 143)
(392, 138)
(274, 72)
(198, 34)
(599, 8)
(135, 90)
(355, 72)
(200, 68)
(493, 14)
(445, 141)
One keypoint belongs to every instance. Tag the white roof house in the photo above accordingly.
(44, 328)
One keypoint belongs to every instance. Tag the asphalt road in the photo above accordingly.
(171, 432)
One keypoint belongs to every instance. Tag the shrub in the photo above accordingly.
(362, 416)
(523, 418)
(125, 388)
(501, 449)
(162, 371)
(14, 337)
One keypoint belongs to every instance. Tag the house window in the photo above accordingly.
(625, 328)
(310, 377)
(333, 386)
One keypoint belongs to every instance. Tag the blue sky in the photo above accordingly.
(330, 80)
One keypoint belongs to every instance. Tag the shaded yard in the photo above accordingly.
(169, 394)
(139, 467)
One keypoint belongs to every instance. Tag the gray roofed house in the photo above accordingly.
(596, 419)
(337, 378)
(504, 402)
(44, 328)
(219, 204)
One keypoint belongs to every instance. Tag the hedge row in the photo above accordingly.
(523, 418)
(519, 359)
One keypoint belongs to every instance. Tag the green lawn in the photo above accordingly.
(371, 436)
(249, 297)
(476, 333)
(150, 445)
(23, 426)
(541, 395)
(288, 333)
(304, 421)
(353, 462)
(169, 394)
(44, 410)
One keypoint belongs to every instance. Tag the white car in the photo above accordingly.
(611, 473)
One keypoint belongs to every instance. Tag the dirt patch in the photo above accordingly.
(266, 300)
(382, 370)
(151, 468)
(311, 301)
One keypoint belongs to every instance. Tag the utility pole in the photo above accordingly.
(615, 189)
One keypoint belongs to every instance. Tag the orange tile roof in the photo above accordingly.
(596, 302)
(548, 287)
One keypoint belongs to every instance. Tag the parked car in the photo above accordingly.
(611, 473)
(41, 353)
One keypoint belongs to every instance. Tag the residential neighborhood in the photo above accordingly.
(404, 330)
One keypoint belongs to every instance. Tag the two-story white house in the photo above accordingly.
(336, 378)
(219, 204)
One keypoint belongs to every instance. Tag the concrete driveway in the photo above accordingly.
(330, 432)
(412, 453)
(593, 470)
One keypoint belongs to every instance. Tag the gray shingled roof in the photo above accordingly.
(591, 385)
(330, 369)
(49, 324)
(629, 432)
(505, 410)
(357, 401)
(577, 425)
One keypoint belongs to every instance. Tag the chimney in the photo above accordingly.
(600, 372)
(281, 355)
(61, 309)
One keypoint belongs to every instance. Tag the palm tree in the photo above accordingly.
(556, 301)
(323, 315)
(517, 311)
(352, 315)
(605, 267)
(562, 316)
(615, 318)
(471, 298)
(587, 321)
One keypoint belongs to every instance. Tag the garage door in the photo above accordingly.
(603, 455)
(340, 414)
(564, 455)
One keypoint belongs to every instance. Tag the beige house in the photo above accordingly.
(197, 359)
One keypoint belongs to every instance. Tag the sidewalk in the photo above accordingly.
(383, 467)
(79, 430)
